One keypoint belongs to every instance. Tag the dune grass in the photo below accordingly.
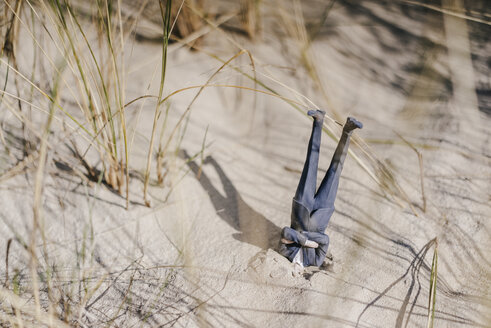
(92, 74)
(101, 94)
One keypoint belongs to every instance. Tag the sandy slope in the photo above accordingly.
(206, 256)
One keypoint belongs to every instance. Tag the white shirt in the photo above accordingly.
(298, 259)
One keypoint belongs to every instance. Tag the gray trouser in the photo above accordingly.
(311, 209)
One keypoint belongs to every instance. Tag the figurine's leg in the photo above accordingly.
(326, 194)
(308, 181)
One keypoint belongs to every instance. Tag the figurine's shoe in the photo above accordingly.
(352, 124)
(328, 261)
(329, 256)
(318, 115)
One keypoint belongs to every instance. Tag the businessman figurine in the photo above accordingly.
(305, 242)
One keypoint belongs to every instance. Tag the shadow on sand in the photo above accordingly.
(253, 227)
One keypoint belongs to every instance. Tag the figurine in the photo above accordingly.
(304, 242)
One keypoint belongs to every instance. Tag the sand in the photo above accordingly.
(204, 253)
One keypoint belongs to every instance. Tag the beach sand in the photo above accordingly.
(204, 253)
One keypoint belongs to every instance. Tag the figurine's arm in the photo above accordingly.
(303, 238)
(323, 241)
(292, 235)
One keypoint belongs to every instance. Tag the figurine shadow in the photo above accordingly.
(253, 227)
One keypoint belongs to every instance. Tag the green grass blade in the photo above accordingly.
(165, 43)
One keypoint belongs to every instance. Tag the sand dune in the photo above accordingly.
(204, 253)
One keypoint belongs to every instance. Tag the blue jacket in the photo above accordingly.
(311, 256)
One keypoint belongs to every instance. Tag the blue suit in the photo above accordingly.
(311, 209)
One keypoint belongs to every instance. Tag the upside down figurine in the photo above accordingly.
(305, 242)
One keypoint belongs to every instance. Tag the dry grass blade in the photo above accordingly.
(46, 56)
(287, 99)
(20, 304)
(382, 174)
(8, 47)
(421, 170)
(19, 167)
(37, 203)
(295, 26)
(160, 158)
(251, 18)
(202, 154)
(163, 150)
(448, 12)
(432, 293)
(6, 283)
